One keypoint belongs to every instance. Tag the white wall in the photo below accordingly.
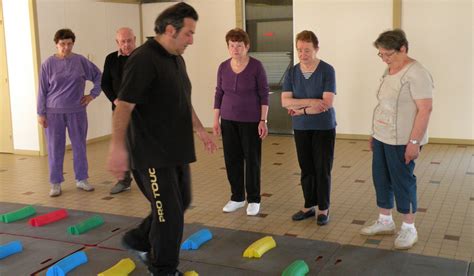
(19, 50)
(440, 34)
(94, 24)
(346, 30)
(216, 17)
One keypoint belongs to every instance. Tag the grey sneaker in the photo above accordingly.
(406, 238)
(121, 186)
(378, 228)
(84, 185)
(55, 190)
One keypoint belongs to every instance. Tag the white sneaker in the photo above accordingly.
(232, 206)
(253, 209)
(84, 185)
(406, 238)
(378, 228)
(55, 190)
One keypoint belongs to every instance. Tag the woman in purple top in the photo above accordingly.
(241, 103)
(62, 105)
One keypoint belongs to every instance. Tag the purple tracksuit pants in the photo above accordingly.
(76, 124)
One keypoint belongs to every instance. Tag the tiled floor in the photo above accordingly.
(445, 220)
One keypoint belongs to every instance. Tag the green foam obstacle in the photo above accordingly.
(85, 226)
(297, 268)
(18, 214)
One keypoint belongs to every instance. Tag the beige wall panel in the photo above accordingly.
(346, 30)
(440, 34)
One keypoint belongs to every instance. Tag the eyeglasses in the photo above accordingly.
(386, 54)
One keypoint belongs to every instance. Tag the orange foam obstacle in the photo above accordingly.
(259, 247)
(122, 268)
(48, 218)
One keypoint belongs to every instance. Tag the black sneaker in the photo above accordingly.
(322, 219)
(300, 215)
(176, 273)
(141, 255)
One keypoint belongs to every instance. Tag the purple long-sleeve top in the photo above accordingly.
(62, 84)
(240, 96)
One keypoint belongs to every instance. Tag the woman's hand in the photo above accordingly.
(216, 128)
(296, 112)
(42, 121)
(262, 129)
(85, 100)
(411, 152)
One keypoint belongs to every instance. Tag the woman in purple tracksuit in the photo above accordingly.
(62, 105)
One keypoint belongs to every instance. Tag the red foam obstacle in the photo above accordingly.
(48, 218)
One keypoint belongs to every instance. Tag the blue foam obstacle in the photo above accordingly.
(197, 239)
(67, 264)
(10, 248)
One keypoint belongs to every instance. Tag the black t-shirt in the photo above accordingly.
(161, 131)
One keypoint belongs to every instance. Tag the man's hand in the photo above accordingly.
(42, 121)
(117, 161)
(207, 140)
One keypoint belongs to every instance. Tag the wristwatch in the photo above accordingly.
(414, 141)
(262, 120)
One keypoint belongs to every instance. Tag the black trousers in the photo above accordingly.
(160, 234)
(315, 150)
(242, 154)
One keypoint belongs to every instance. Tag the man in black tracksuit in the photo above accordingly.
(155, 97)
(111, 80)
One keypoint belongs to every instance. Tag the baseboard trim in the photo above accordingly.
(94, 140)
(27, 152)
(432, 140)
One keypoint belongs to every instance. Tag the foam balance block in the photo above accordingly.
(48, 218)
(10, 248)
(259, 247)
(191, 273)
(297, 268)
(122, 268)
(67, 264)
(197, 239)
(18, 214)
(86, 225)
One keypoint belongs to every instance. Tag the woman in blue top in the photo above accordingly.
(308, 94)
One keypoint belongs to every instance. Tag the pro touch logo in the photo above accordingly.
(156, 194)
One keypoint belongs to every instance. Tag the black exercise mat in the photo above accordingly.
(227, 247)
(115, 242)
(99, 260)
(354, 260)
(113, 225)
(36, 255)
(215, 270)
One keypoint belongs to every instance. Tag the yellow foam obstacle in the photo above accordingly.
(191, 273)
(122, 268)
(260, 247)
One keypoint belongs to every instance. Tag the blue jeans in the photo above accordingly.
(392, 177)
